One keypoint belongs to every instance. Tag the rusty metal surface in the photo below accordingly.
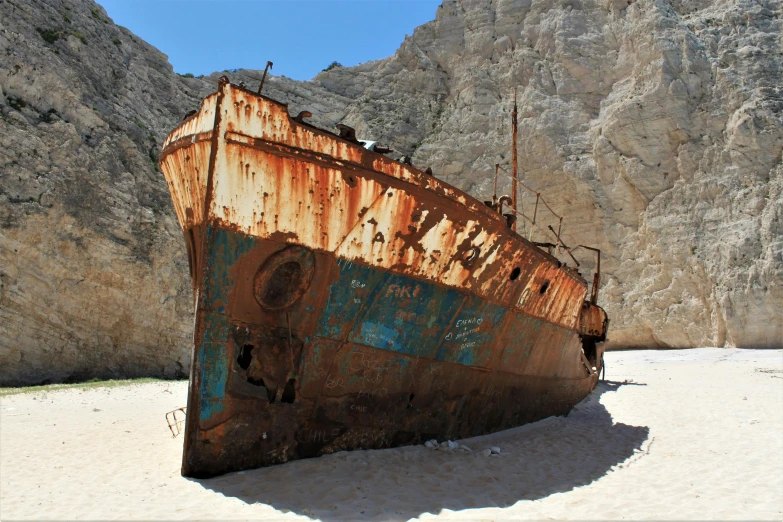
(190, 184)
(198, 123)
(593, 321)
(175, 419)
(278, 179)
(346, 300)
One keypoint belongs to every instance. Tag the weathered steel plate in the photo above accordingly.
(345, 300)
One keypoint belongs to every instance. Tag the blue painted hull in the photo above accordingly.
(364, 358)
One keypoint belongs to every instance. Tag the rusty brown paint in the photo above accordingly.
(277, 214)
(593, 321)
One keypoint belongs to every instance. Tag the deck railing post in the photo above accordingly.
(495, 187)
(559, 228)
(535, 213)
(514, 171)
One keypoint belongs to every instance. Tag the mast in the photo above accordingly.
(263, 78)
(514, 160)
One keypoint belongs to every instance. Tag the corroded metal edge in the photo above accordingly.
(243, 159)
(256, 184)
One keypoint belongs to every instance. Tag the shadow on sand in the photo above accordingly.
(550, 456)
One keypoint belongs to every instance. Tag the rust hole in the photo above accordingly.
(289, 392)
(544, 287)
(257, 382)
(245, 356)
(515, 274)
(410, 400)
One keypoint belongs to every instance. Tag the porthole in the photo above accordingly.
(470, 255)
(276, 292)
(284, 278)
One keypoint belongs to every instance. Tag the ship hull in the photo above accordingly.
(347, 301)
(372, 359)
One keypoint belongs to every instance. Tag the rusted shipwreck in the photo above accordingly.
(346, 300)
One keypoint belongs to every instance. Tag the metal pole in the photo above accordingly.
(535, 212)
(560, 241)
(263, 78)
(596, 279)
(559, 227)
(495, 189)
(597, 275)
(514, 158)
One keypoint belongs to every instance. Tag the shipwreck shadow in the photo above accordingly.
(555, 455)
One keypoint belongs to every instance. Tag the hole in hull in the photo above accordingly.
(244, 360)
(289, 392)
(245, 356)
(588, 345)
(256, 382)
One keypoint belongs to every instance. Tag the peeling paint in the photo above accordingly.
(346, 300)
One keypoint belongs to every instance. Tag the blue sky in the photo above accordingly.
(301, 37)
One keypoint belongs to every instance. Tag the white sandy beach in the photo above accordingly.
(693, 434)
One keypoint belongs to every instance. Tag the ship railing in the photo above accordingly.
(497, 204)
(557, 235)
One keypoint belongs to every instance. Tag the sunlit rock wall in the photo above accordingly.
(654, 127)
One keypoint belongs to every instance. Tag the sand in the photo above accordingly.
(681, 434)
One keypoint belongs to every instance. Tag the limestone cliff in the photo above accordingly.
(93, 270)
(654, 126)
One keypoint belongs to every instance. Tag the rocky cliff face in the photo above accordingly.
(93, 270)
(655, 127)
